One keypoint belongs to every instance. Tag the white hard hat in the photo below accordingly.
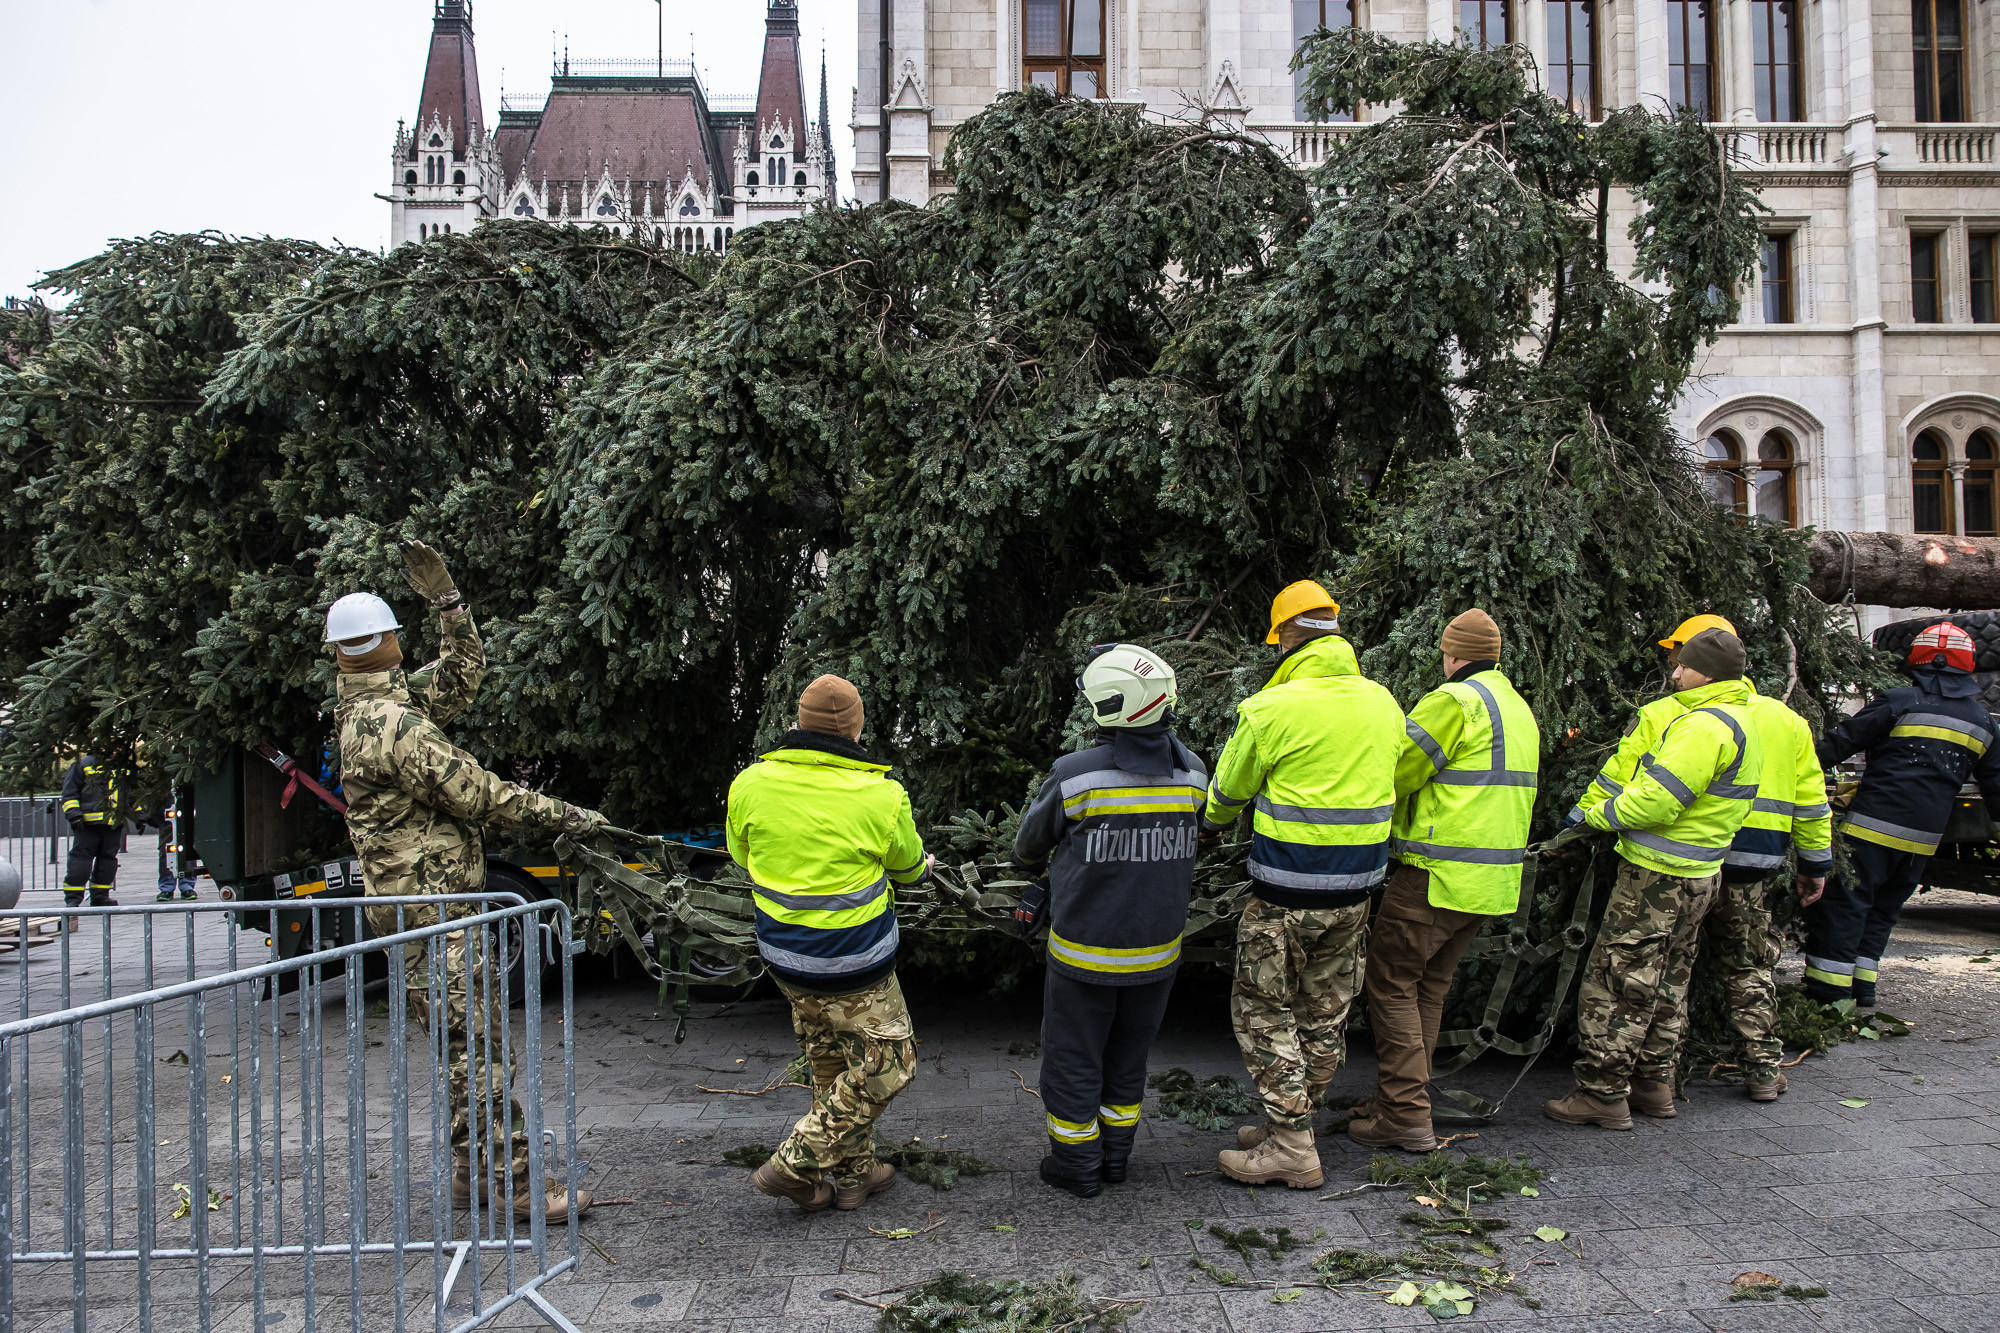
(359, 615)
(1128, 686)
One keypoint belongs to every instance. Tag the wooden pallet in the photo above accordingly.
(35, 929)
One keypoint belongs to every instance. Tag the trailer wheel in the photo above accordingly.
(515, 943)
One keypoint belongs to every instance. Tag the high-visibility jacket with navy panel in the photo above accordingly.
(1791, 803)
(824, 832)
(1316, 751)
(90, 792)
(1465, 791)
(1924, 741)
(1691, 792)
(1119, 848)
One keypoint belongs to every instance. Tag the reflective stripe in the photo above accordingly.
(1771, 805)
(1118, 777)
(1885, 834)
(1865, 973)
(1134, 801)
(1753, 860)
(1575, 815)
(1819, 811)
(1216, 797)
(1424, 741)
(1687, 851)
(1953, 736)
(825, 902)
(1830, 966)
(1675, 787)
(1871, 963)
(1828, 978)
(1611, 813)
(1732, 791)
(1499, 750)
(1119, 1117)
(1610, 784)
(854, 962)
(1094, 959)
(1946, 722)
(1293, 879)
(1072, 1131)
(1478, 856)
(1727, 778)
(1307, 814)
(1484, 777)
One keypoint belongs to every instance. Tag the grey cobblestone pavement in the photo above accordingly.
(1889, 1206)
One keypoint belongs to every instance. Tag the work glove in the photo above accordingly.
(1028, 912)
(581, 823)
(425, 571)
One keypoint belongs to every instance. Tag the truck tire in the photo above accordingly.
(516, 941)
(1983, 626)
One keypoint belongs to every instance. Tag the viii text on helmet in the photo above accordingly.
(1128, 686)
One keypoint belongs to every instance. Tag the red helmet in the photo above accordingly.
(1943, 644)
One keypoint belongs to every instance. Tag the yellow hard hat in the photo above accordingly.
(1692, 626)
(1305, 595)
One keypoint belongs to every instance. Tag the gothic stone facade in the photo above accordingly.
(636, 145)
(1861, 390)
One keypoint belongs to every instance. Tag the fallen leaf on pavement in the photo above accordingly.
(1550, 1233)
(1856, 1102)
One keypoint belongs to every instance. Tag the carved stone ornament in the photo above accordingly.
(1958, 422)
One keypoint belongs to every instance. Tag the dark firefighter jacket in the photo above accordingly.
(1923, 741)
(1120, 821)
(90, 792)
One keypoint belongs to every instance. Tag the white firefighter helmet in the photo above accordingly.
(1128, 686)
(359, 615)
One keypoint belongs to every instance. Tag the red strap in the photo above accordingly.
(286, 765)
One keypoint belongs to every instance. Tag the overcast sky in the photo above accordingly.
(134, 116)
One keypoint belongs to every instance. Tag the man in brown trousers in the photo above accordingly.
(1465, 792)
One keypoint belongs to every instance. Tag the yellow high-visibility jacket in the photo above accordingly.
(1690, 793)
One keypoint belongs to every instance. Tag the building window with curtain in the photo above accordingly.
(1308, 17)
(1484, 24)
(1774, 55)
(1777, 266)
(1063, 46)
(1926, 296)
(1930, 484)
(1938, 42)
(1722, 472)
(1690, 56)
(1777, 491)
(1982, 270)
(1982, 485)
(1573, 55)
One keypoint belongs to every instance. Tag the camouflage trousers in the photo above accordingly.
(1631, 1009)
(1749, 946)
(1296, 974)
(863, 1053)
(473, 1046)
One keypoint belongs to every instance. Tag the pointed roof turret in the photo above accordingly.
(825, 125)
(781, 88)
(451, 78)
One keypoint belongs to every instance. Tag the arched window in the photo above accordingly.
(659, 236)
(458, 178)
(1722, 471)
(718, 238)
(410, 176)
(751, 178)
(1930, 484)
(1777, 494)
(798, 178)
(776, 170)
(1982, 485)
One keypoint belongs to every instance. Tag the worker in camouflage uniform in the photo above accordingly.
(415, 804)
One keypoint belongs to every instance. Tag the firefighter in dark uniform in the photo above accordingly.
(1116, 827)
(1924, 740)
(91, 802)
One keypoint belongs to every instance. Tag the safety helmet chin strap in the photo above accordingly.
(1307, 623)
(356, 648)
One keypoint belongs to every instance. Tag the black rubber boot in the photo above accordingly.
(1117, 1153)
(1082, 1189)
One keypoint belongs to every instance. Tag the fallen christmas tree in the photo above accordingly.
(1124, 382)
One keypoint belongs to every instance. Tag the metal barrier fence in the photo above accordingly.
(35, 839)
(174, 1151)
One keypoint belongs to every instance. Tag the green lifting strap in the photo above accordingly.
(1460, 1106)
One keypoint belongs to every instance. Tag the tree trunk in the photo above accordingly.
(1902, 569)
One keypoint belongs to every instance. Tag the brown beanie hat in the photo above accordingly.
(1472, 637)
(831, 705)
(1715, 653)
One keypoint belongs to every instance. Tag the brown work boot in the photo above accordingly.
(849, 1197)
(1285, 1156)
(555, 1195)
(810, 1198)
(1649, 1096)
(1764, 1085)
(1379, 1133)
(1583, 1108)
(1249, 1136)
